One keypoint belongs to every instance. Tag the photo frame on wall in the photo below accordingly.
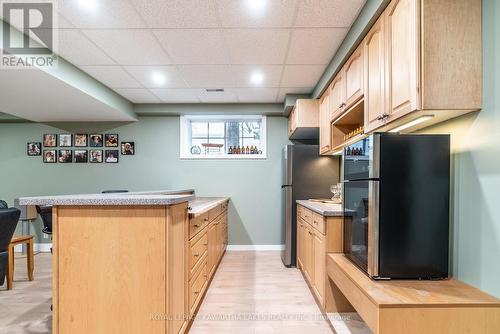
(95, 156)
(49, 140)
(65, 140)
(34, 149)
(95, 140)
(111, 140)
(65, 156)
(128, 148)
(111, 156)
(81, 140)
(81, 156)
(49, 156)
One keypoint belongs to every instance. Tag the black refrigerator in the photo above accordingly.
(397, 205)
(305, 175)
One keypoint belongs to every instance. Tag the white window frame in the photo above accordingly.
(185, 121)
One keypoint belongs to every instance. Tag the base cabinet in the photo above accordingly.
(317, 236)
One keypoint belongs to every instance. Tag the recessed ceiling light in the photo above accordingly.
(256, 6)
(257, 78)
(158, 79)
(87, 5)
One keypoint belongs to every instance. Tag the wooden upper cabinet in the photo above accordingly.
(324, 123)
(353, 77)
(402, 57)
(337, 97)
(374, 76)
(303, 121)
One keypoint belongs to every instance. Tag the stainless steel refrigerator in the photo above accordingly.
(306, 175)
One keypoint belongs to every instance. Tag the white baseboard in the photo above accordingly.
(255, 247)
(37, 247)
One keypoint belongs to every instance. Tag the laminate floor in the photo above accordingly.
(26, 308)
(252, 292)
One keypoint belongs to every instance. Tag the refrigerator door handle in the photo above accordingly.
(285, 186)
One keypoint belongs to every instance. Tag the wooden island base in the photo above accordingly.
(409, 306)
(132, 269)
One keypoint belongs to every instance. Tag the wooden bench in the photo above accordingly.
(410, 306)
(18, 240)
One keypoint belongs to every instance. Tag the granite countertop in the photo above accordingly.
(201, 205)
(159, 197)
(324, 209)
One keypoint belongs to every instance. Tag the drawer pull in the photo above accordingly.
(196, 225)
(205, 244)
(196, 254)
(315, 222)
(205, 219)
(205, 275)
(197, 292)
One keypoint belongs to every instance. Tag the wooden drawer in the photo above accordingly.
(306, 215)
(198, 248)
(197, 224)
(215, 212)
(318, 222)
(198, 285)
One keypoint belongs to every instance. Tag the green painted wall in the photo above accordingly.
(476, 168)
(253, 185)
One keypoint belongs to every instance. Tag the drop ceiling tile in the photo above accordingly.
(314, 46)
(176, 95)
(301, 75)
(138, 95)
(327, 13)
(299, 90)
(270, 73)
(144, 74)
(130, 47)
(227, 96)
(255, 13)
(257, 46)
(95, 14)
(76, 48)
(112, 76)
(257, 95)
(208, 76)
(194, 46)
(177, 13)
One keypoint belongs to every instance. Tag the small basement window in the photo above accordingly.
(223, 137)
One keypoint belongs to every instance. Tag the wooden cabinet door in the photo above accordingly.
(292, 122)
(319, 257)
(353, 78)
(337, 97)
(308, 254)
(374, 54)
(300, 243)
(324, 123)
(402, 57)
(212, 247)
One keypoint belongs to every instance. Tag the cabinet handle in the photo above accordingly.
(205, 244)
(206, 219)
(310, 232)
(196, 225)
(315, 222)
(342, 105)
(197, 254)
(205, 275)
(197, 292)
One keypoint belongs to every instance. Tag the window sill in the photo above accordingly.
(225, 157)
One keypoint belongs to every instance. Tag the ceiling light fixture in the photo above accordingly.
(158, 79)
(87, 5)
(412, 123)
(257, 78)
(256, 7)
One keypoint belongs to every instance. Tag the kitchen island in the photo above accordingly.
(123, 263)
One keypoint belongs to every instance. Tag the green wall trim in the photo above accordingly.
(271, 109)
(366, 18)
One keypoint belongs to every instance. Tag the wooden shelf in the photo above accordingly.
(348, 122)
(410, 306)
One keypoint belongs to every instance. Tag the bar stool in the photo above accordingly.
(18, 240)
